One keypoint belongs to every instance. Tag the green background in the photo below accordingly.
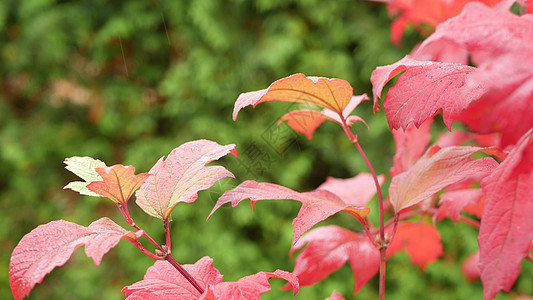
(128, 81)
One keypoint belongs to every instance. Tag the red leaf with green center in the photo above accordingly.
(422, 242)
(118, 184)
(51, 245)
(423, 90)
(434, 171)
(506, 231)
(317, 205)
(181, 176)
(329, 248)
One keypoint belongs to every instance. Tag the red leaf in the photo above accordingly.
(333, 94)
(421, 240)
(119, 183)
(454, 202)
(249, 287)
(423, 90)
(317, 205)
(506, 231)
(329, 248)
(481, 30)
(437, 169)
(507, 106)
(51, 245)
(356, 191)
(163, 281)
(181, 176)
(471, 267)
(411, 143)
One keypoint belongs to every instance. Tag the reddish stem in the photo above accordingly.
(366, 227)
(382, 270)
(165, 254)
(167, 234)
(168, 257)
(354, 141)
(381, 244)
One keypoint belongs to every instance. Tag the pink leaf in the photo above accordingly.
(507, 106)
(333, 94)
(422, 242)
(249, 287)
(411, 143)
(423, 90)
(317, 205)
(163, 281)
(506, 231)
(51, 245)
(329, 248)
(119, 183)
(434, 171)
(470, 267)
(482, 29)
(181, 176)
(454, 202)
(335, 296)
(356, 191)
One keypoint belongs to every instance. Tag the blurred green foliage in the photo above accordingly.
(128, 81)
